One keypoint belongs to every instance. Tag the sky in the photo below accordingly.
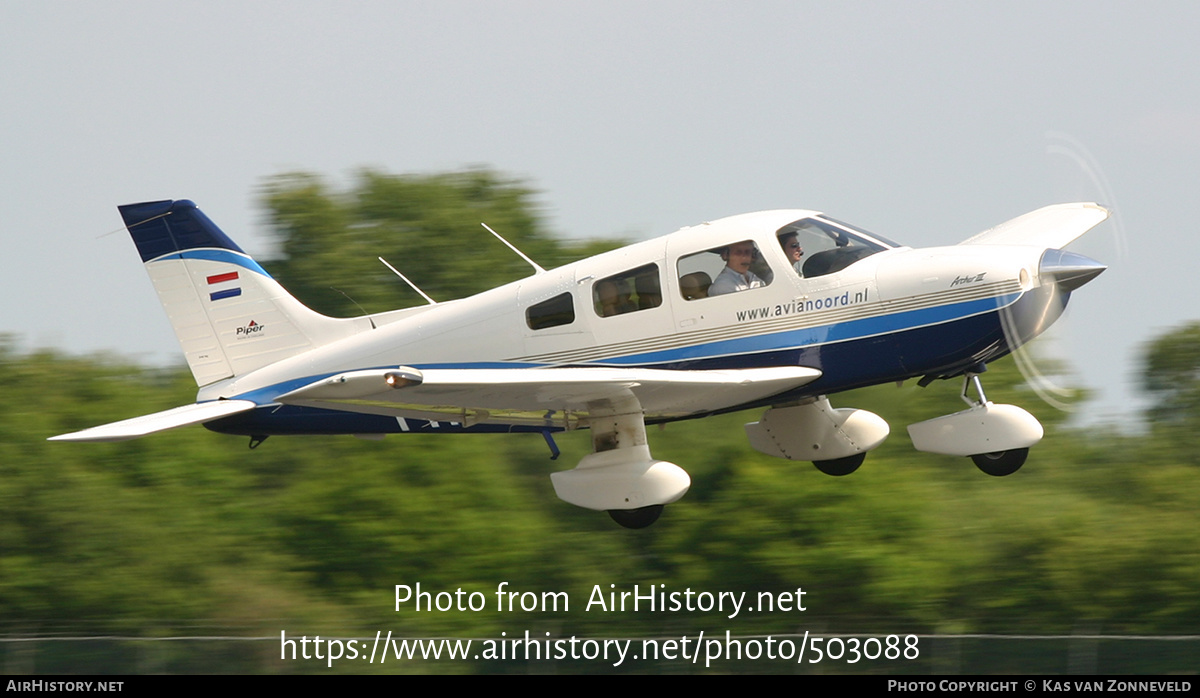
(926, 122)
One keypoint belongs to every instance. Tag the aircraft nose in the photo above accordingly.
(1068, 270)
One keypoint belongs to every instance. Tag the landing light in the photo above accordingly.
(404, 377)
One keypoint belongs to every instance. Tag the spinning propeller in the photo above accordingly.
(1078, 174)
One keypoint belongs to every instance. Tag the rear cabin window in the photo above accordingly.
(559, 310)
(627, 292)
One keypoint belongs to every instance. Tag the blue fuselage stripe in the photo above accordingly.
(788, 340)
(825, 334)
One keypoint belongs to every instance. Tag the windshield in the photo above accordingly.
(816, 247)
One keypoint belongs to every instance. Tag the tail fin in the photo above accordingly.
(229, 315)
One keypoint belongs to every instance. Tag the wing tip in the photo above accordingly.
(137, 427)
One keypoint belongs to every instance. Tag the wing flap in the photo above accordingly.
(1052, 226)
(159, 421)
(524, 396)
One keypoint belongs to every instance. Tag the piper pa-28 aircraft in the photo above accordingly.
(777, 309)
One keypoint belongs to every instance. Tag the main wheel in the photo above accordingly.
(840, 466)
(636, 518)
(1001, 463)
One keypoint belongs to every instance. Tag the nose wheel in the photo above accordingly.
(995, 437)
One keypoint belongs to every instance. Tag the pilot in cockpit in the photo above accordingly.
(794, 252)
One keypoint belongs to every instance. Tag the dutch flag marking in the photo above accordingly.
(225, 292)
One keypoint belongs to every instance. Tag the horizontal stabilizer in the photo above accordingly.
(1052, 226)
(524, 396)
(159, 421)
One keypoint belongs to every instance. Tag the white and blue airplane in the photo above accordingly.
(776, 309)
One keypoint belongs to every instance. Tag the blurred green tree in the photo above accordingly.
(427, 226)
(1171, 376)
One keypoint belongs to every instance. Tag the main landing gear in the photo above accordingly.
(996, 437)
(620, 476)
(835, 440)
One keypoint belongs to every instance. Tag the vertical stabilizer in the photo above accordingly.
(230, 316)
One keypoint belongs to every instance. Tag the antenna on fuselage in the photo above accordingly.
(364, 310)
(532, 263)
(405, 278)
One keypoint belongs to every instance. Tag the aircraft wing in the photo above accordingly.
(542, 396)
(1053, 226)
(159, 421)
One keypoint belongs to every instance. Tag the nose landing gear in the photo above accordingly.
(996, 437)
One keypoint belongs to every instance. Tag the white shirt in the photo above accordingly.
(729, 281)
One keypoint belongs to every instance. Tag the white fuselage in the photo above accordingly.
(884, 295)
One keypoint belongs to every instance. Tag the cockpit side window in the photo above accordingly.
(628, 292)
(735, 267)
(815, 247)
